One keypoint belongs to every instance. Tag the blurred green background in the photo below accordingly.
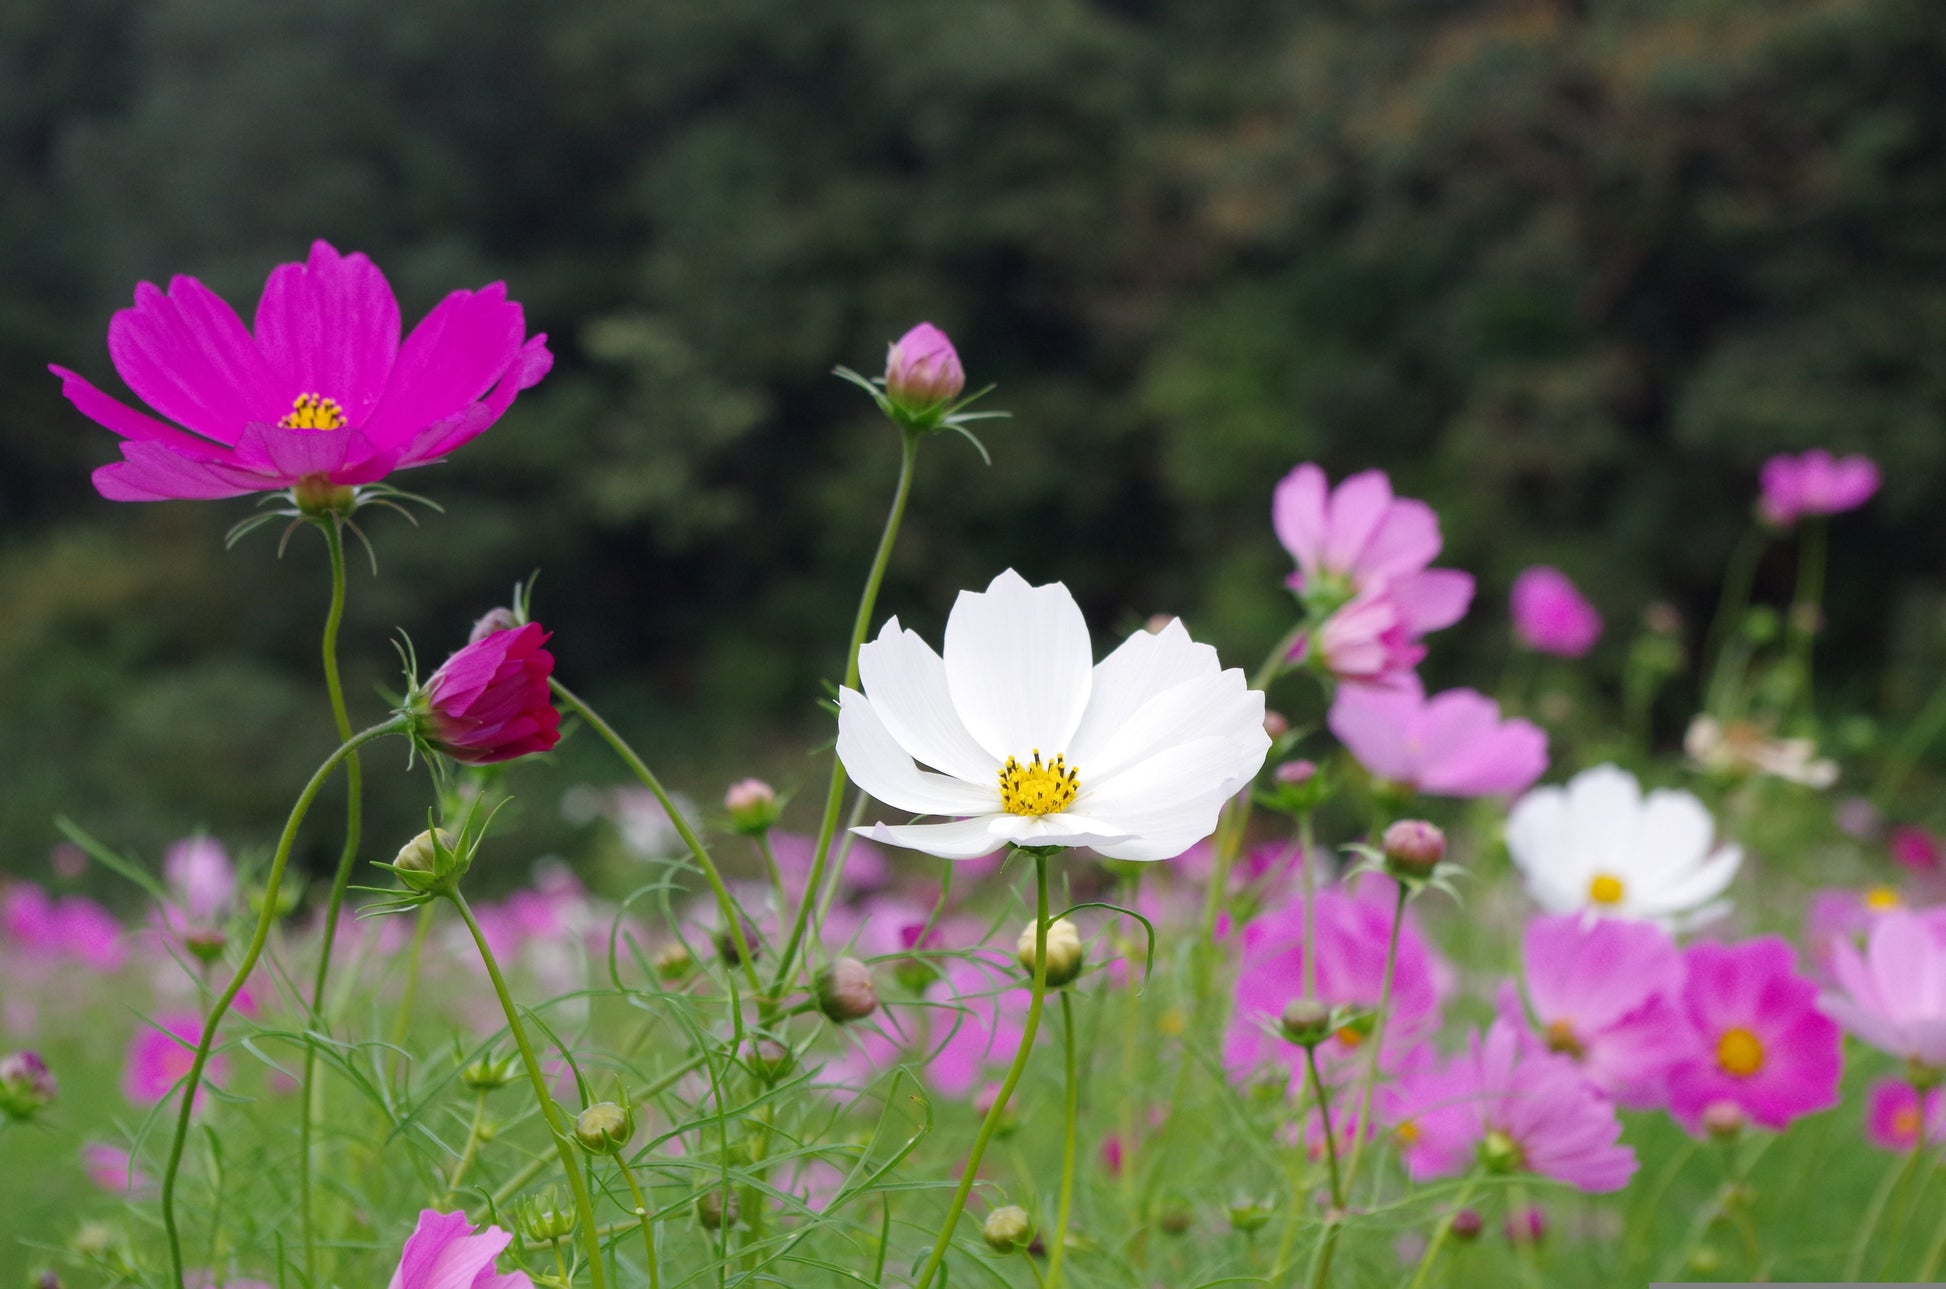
(1570, 271)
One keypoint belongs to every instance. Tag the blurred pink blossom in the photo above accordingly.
(1551, 615)
(1815, 483)
(445, 1252)
(1454, 744)
(1761, 1042)
(159, 1057)
(1893, 996)
(1914, 849)
(113, 1169)
(71, 929)
(1895, 1114)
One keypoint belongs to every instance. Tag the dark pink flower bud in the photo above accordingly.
(1466, 1225)
(490, 701)
(500, 619)
(27, 1086)
(1413, 847)
(922, 370)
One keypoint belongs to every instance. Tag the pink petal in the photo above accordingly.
(1406, 541)
(1358, 506)
(186, 354)
(452, 358)
(124, 420)
(1297, 513)
(330, 327)
(152, 472)
(1433, 599)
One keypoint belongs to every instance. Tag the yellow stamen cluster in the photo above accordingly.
(1606, 889)
(1740, 1053)
(1881, 899)
(1562, 1038)
(1038, 789)
(314, 412)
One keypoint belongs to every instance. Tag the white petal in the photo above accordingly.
(1064, 829)
(1672, 836)
(1604, 807)
(1709, 880)
(1219, 706)
(1540, 838)
(1172, 799)
(1019, 666)
(876, 763)
(1141, 667)
(906, 682)
(960, 839)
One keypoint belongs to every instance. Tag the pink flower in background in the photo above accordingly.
(1512, 1107)
(922, 369)
(1352, 933)
(1453, 744)
(49, 931)
(1914, 849)
(1895, 1115)
(1368, 641)
(1762, 1045)
(980, 1025)
(1816, 483)
(490, 701)
(1603, 994)
(1893, 996)
(1551, 615)
(445, 1252)
(202, 888)
(1843, 916)
(113, 1169)
(866, 868)
(159, 1057)
(324, 393)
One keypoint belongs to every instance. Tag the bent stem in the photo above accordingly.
(732, 915)
(834, 797)
(1072, 1114)
(1328, 1244)
(1440, 1235)
(206, 1041)
(1361, 1125)
(998, 1110)
(550, 1113)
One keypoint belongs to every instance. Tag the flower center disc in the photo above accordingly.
(314, 412)
(1561, 1038)
(1606, 889)
(1881, 899)
(1038, 789)
(1740, 1053)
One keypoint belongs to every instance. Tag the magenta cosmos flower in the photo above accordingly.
(1603, 994)
(1551, 615)
(1893, 996)
(1453, 744)
(490, 701)
(1895, 1115)
(1509, 1107)
(445, 1252)
(922, 369)
(159, 1057)
(1761, 1043)
(1816, 483)
(324, 394)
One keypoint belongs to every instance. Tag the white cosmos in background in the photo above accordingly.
(1157, 736)
(1598, 846)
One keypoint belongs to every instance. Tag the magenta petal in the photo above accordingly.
(451, 359)
(186, 354)
(1433, 599)
(1358, 506)
(330, 327)
(1297, 514)
(151, 472)
(290, 455)
(113, 414)
(1407, 539)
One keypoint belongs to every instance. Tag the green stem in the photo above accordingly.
(998, 1110)
(354, 819)
(1738, 578)
(1072, 1114)
(647, 1216)
(1440, 1235)
(1895, 1181)
(421, 926)
(834, 797)
(472, 1145)
(1328, 1243)
(1131, 1049)
(1802, 625)
(204, 1043)
(551, 1113)
(1362, 1125)
(732, 915)
(1912, 745)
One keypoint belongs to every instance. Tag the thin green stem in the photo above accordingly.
(472, 1149)
(1919, 736)
(334, 542)
(421, 926)
(1802, 626)
(726, 905)
(1071, 1117)
(550, 1113)
(1328, 1243)
(1444, 1231)
(1738, 578)
(998, 1110)
(206, 1041)
(1364, 1119)
(834, 797)
(1131, 1048)
(647, 1216)
(1895, 1181)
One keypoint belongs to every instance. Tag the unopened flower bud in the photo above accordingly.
(726, 945)
(545, 1216)
(716, 1209)
(1526, 1225)
(45, 1279)
(1173, 1220)
(753, 808)
(1413, 848)
(1065, 955)
(1306, 1022)
(1466, 1225)
(498, 619)
(427, 859)
(922, 370)
(27, 1086)
(1249, 1214)
(674, 962)
(1007, 1229)
(205, 944)
(846, 992)
(1296, 772)
(983, 1106)
(915, 975)
(769, 1059)
(1724, 1120)
(1276, 724)
(488, 1073)
(604, 1127)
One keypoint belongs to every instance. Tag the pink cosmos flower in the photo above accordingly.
(1841, 915)
(71, 929)
(159, 1057)
(490, 701)
(1815, 484)
(1512, 1107)
(323, 394)
(1604, 995)
(1551, 615)
(1453, 744)
(922, 369)
(982, 1024)
(202, 887)
(1895, 1115)
(1352, 931)
(113, 1169)
(1893, 996)
(1368, 641)
(1761, 1043)
(1914, 849)
(445, 1252)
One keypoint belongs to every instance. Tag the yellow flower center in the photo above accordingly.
(1606, 889)
(1881, 899)
(1561, 1038)
(314, 412)
(1740, 1053)
(1038, 789)
(1407, 1133)
(1349, 1036)
(1905, 1124)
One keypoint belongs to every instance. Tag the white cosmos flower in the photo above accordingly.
(1597, 846)
(1029, 741)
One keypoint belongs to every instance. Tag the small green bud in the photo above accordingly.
(430, 861)
(845, 991)
(915, 975)
(753, 807)
(716, 1209)
(488, 1073)
(1065, 955)
(545, 1216)
(1249, 1214)
(674, 962)
(1007, 1229)
(726, 945)
(604, 1127)
(1173, 1220)
(27, 1086)
(1306, 1022)
(769, 1059)
(1500, 1153)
